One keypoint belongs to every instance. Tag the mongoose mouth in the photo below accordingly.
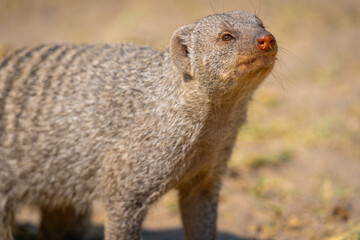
(255, 63)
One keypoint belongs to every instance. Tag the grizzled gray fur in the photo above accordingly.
(125, 124)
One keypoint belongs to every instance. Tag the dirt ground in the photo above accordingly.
(295, 170)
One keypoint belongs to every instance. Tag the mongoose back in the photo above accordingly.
(125, 124)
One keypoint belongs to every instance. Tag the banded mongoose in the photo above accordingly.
(125, 123)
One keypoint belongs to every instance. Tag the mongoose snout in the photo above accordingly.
(266, 42)
(262, 56)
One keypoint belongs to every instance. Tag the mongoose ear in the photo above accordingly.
(179, 48)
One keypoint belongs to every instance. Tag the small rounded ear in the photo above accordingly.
(179, 48)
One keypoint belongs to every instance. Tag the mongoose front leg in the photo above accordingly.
(6, 219)
(6, 227)
(124, 220)
(63, 223)
(126, 203)
(198, 204)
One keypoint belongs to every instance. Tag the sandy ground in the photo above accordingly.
(295, 170)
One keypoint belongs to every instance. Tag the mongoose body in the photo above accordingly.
(126, 123)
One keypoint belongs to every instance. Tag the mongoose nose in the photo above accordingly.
(266, 42)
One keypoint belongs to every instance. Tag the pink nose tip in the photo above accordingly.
(266, 42)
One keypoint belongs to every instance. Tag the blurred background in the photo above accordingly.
(295, 170)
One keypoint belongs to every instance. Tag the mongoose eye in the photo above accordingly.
(227, 37)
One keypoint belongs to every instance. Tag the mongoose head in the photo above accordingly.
(224, 52)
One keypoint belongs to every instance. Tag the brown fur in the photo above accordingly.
(125, 124)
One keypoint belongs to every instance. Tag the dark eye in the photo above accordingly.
(227, 37)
